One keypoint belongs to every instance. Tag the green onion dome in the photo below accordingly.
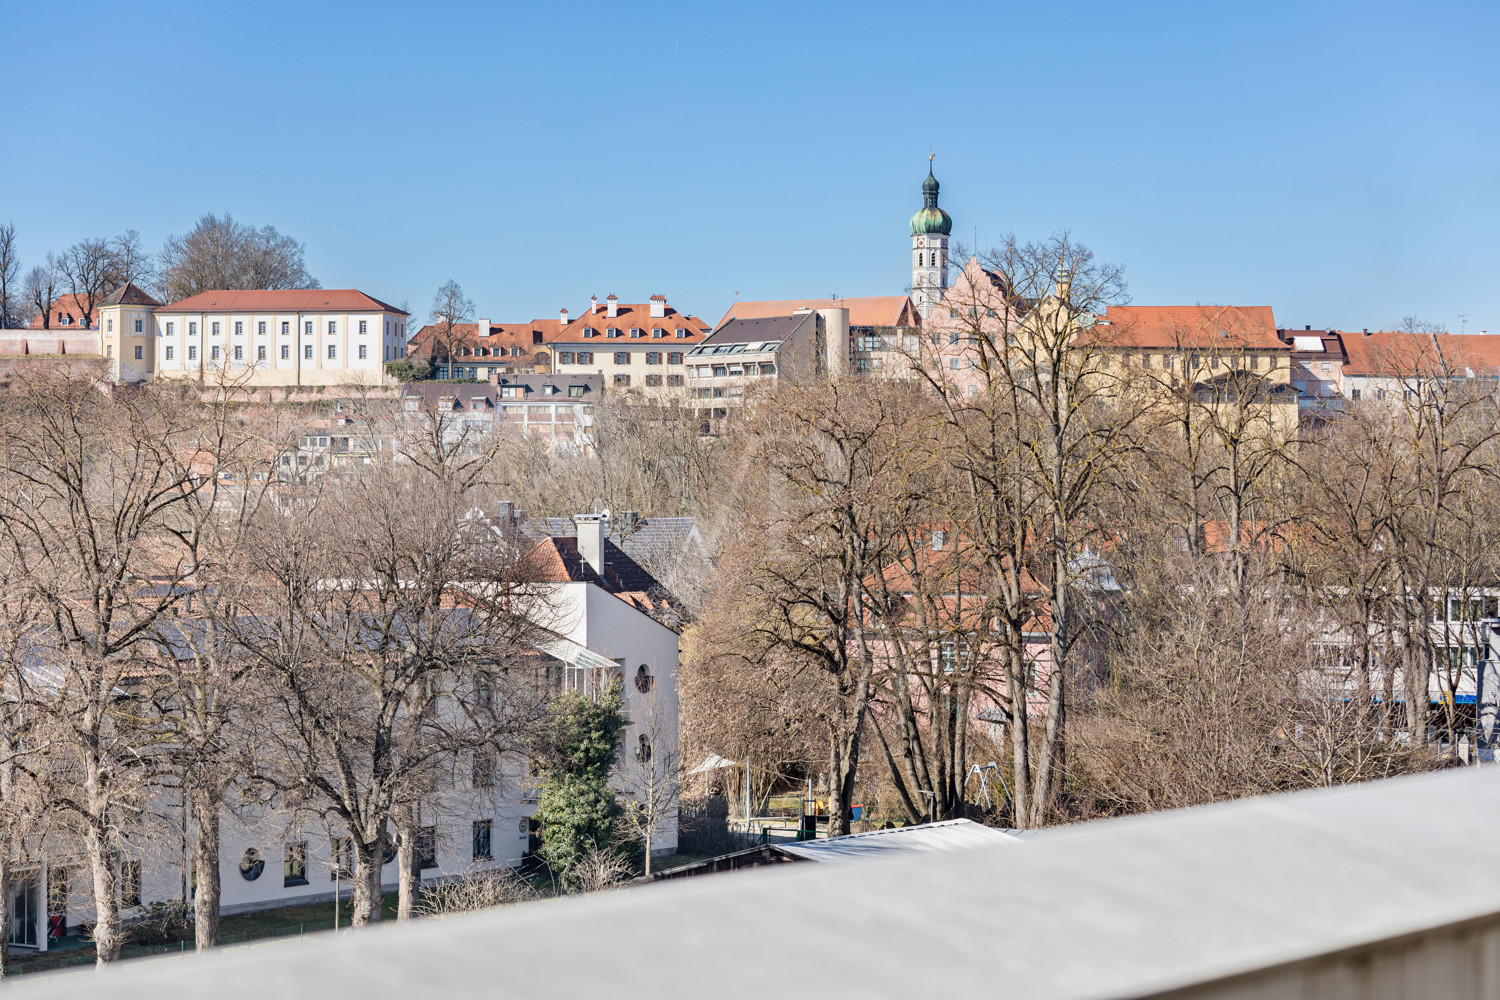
(930, 219)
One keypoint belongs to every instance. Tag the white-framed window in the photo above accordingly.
(333, 352)
(362, 354)
(286, 329)
(214, 355)
(239, 328)
(307, 352)
(239, 352)
(261, 328)
(307, 328)
(138, 330)
(138, 352)
(215, 329)
(286, 352)
(169, 352)
(333, 327)
(169, 329)
(681, 334)
(192, 329)
(109, 326)
(260, 352)
(362, 326)
(192, 352)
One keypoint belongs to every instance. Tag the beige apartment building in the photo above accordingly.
(640, 347)
(317, 337)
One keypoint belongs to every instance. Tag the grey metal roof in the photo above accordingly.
(947, 835)
(640, 539)
(748, 331)
(1123, 908)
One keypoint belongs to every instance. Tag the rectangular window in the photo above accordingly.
(653, 380)
(192, 329)
(674, 381)
(261, 328)
(674, 357)
(1354, 394)
(342, 852)
(575, 391)
(333, 327)
(260, 352)
(239, 329)
(362, 352)
(307, 328)
(215, 329)
(767, 368)
(362, 326)
(484, 769)
(130, 882)
(427, 847)
(192, 352)
(286, 329)
(170, 327)
(611, 332)
(215, 355)
(109, 326)
(482, 830)
(138, 330)
(565, 357)
(169, 352)
(636, 332)
(588, 332)
(286, 352)
(307, 352)
(138, 353)
(622, 357)
(294, 864)
(653, 357)
(657, 333)
(585, 357)
(333, 352)
(681, 334)
(622, 380)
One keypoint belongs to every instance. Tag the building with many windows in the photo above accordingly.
(638, 347)
(484, 348)
(556, 409)
(317, 337)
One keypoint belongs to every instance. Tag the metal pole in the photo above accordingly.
(747, 796)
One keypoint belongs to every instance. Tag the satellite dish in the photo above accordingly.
(606, 513)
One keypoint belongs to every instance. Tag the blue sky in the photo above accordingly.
(1335, 161)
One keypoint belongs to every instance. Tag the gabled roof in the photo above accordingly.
(500, 337)
(557, 560)
(633, 316)
(1190, 327)
(650, 536)
(1397, 353)
(313, 300)
(129, 294)
(879, 310)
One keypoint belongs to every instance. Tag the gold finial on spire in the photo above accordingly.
(930, 154)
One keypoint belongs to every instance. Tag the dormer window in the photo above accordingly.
(611, 332)
(589, 331)
(636, 332)
(657, 333)
(515, 352)
(681, 334)
(549, 390)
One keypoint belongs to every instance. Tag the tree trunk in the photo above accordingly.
(368, 859)
(409, 877)
(1020, 737)
(5, 913)
(206, 897)
(106, 904)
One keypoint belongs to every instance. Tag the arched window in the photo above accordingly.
(643, 679)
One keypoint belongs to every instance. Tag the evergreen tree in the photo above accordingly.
(578, 810)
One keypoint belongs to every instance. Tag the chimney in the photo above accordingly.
(594, 304)
(562, 317)
(1367, 331)
(506, 513)
(1307, 327)
(591, 540)
(658, 306)
(484, 327)
(612, 306)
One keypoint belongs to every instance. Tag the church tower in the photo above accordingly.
(930, 228)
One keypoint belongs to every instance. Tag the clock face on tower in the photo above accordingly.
(921, 243)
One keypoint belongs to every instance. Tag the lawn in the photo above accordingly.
(283, 922)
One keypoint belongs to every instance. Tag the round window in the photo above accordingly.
(251, 865)
(525, 825)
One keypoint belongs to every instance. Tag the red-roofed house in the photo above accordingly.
(881, 334)
(1382, 364)
(636, 346)
(65, 313)
(484, 347)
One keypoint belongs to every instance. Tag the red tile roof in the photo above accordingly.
(502, 337)
(1192, 327)
(636, 315)
(557, 560)
(1396, 353)
(880, 310)
(67, 305)
(310, 300)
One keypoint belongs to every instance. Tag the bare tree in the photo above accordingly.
(41, 289)
(647, 774)
(222, 253)
(450, 308)
(88, 270)
(11, 307)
